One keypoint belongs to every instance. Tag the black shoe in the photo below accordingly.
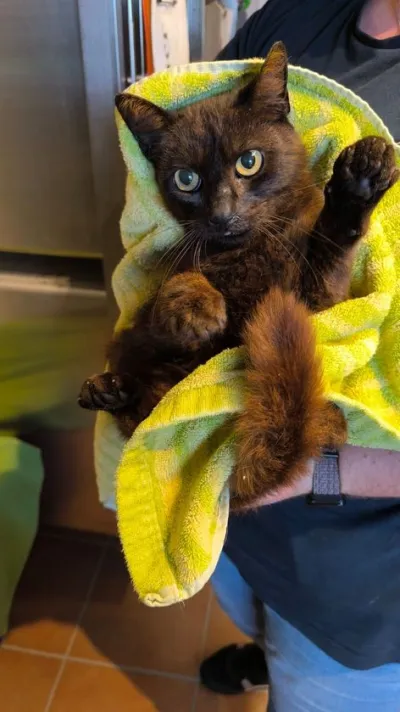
(235, 669)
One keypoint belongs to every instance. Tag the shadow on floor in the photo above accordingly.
(75, 605)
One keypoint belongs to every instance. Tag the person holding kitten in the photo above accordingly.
(318, 588)
(262, 247)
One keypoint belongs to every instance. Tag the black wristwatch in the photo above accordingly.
(326, 489)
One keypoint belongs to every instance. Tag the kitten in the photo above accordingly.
(264, 247)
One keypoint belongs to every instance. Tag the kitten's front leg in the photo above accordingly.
(362, 174)
(190, 310)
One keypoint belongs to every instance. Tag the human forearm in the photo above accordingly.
(364, 472)
(367, 472)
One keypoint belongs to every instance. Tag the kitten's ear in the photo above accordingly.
(268, 91)
(146, 121)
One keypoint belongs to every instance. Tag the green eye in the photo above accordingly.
(249, 163)
(187, 180)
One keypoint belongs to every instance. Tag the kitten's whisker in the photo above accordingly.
(183, 249)
(186, 238)
(199, 254)
(302, 255)
(317, 184)
(196, 256)
(168, 253)
(178, 257)
(325, 238)
(289, 221)
(307, 262)
(172, 248)
(274, 236)
(318, 275)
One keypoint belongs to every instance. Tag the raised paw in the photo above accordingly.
(364, 172)
(190, 310)
(104, 391)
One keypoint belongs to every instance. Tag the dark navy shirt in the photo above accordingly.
(332, 573)
(323, 35)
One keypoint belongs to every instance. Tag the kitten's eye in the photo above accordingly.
(249, 163)
(187, 180)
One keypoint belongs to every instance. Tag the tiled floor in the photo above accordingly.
(81, 642)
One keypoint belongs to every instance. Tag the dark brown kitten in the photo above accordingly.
(263, 247)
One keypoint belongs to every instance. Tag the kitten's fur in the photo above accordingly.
(261, 252)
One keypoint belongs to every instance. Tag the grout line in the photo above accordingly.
(196, 692)
(134, 669)
(31, 651)
(66, 657)
(96, 573)
(206, 625)
(100, 663)
(86, 600)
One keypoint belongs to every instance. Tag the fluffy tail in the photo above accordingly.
(286, 420)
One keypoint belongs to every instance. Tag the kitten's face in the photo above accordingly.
(228, 166)
(224, 169)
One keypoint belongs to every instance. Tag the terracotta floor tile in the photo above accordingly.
(249, 702)
(90, 688)
(221, 631)
(51, 593)
(119, 628)
(25, 681)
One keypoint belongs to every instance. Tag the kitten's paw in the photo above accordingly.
(104, 391)
(191, 310)
(364, 172)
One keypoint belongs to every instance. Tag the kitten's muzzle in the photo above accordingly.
(227, 229)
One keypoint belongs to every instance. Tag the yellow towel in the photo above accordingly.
(172, 494)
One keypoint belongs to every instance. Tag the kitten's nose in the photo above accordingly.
(222, 221)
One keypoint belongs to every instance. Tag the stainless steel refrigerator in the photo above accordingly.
(61, 195)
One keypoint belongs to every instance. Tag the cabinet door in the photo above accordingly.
(46, 181)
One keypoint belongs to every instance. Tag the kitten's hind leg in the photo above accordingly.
(105, 391)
